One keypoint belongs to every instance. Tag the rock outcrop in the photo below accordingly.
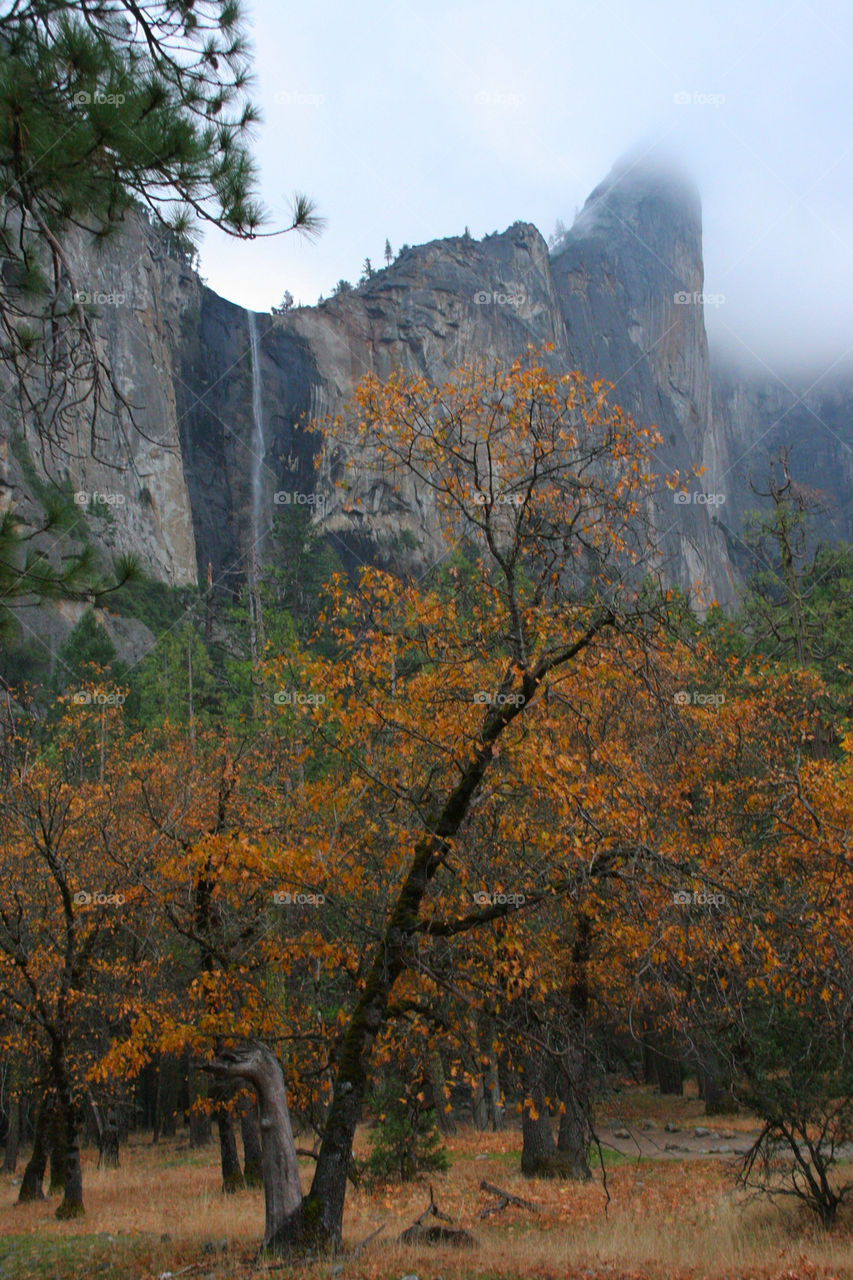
(621, 297)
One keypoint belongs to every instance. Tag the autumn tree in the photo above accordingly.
(66, 951)
(429, 704)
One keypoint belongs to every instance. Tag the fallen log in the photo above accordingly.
(504, 1198)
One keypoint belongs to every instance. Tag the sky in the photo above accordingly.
(412, 120)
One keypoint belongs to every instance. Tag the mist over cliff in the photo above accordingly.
(221, 420)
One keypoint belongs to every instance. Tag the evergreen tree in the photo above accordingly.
(86, 653)
(103, 108)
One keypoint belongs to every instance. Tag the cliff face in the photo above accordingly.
(629, 277)
(222, 419)
(135, 489)
(756, 415)
(610, 302)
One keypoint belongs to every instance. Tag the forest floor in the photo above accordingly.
(672, 1215)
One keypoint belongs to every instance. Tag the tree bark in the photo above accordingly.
(108, 1141)
(712, 1089)
(253, 1174)
(232, 1177)
(32, 1184)
(537, 1140)
(72, 1199)
(491, 1079)
(58, 1134)
(199, 1121)
(575, 1087)
(283, 1202)
(13, 1133)
(574, 1132)
(443, 1118)
(667, 1065)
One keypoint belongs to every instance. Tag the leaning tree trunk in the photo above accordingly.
(323, 1207)
(283, 1201)
(253, 1174)
(32, 1183)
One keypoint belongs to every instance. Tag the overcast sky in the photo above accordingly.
(412, 120)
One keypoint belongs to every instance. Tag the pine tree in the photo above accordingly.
(106, 108)
(389, 253)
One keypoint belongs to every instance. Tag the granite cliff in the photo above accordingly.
(222, 398)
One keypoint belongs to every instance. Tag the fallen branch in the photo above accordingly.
(504, 1198)
(420, 1233)
(366, 1241)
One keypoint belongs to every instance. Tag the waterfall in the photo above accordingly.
(258, 442)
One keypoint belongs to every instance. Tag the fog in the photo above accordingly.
(412, 121)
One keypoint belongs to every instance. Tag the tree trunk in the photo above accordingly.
(491, 1082)
(479, 1104)
(169, 1085)
(323, 1207)
(574, 1132)
(72, 1200)
(537, 1140)
(199, 1121)
(108, 1141)
(283, 1202)
(253, 1175)
(443, 1117)
(232, 1178)
(712, 1090)
(575, 1089)
(667, 1065)
(58, 1162)
(13, 1134)
(32, 1184)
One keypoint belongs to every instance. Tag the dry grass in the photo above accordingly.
(666, 1220)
